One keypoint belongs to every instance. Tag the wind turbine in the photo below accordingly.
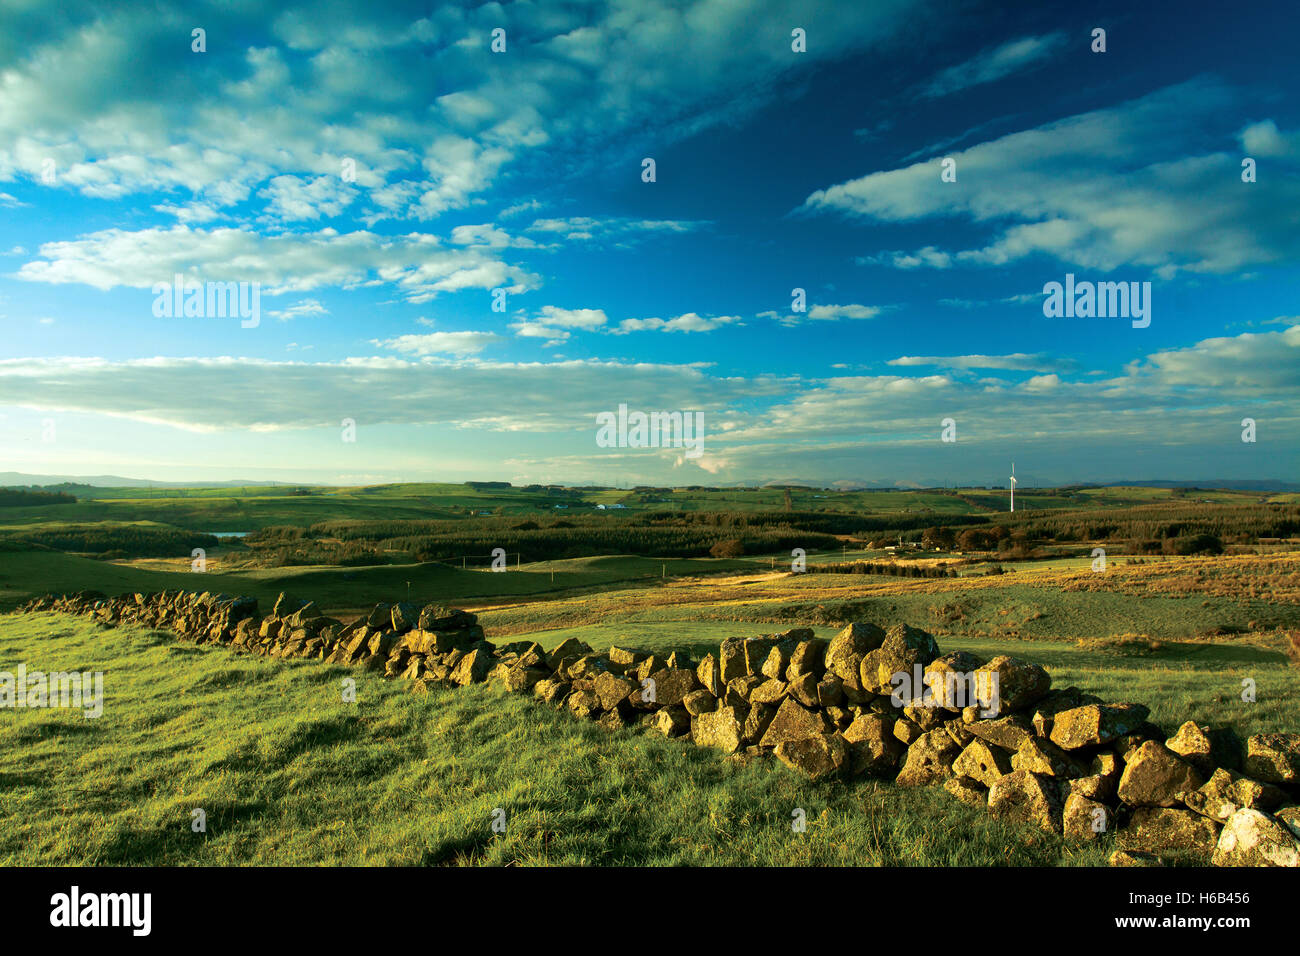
(1013, 486)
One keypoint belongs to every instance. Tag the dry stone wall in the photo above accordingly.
(993, 733)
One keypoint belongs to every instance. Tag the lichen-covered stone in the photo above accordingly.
(1154, 777)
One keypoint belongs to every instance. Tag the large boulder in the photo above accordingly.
(1154, 776)
(794, 722)
(873, 747)
(671, 686)
(709, 672)
(1027, 797)
(472, 668)
(1006, 732)
(948, 680)
(1226, 792)
(1251, 838)
(808, 657)
(1042, 756)
(612, 689)
(1193, 744)
(845, 652)
(928, 760)
(1169, 832)
(820, 757)
(1006, 684)
(1273, 758)
(904, 651)
(404, 616)
(983, 762)
(722, 728)
(1095, 724)
(731, 660)
(1084, 818)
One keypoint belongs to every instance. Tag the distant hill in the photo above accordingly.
(17, 479)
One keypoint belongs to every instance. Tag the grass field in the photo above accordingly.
(287, 773)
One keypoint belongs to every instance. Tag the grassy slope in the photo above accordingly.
(249, 509)
(337, 590)
(289, 774)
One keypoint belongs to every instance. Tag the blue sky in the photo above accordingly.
(378, 170)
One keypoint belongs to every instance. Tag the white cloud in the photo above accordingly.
(440, 343)
(996, 63)
(687, 322)
(417, 264)
(825, 313)
(301, 308)
(1125, 186)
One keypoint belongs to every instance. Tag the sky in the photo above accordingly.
(823, 230)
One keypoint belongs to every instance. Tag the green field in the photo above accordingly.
(287, 773)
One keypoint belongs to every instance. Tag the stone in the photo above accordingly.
(612, 719)
(904, 649)
(1055, 701)
(1273, 758)
(552, 690)
(928, 760)
(830, 692)
(907, 732)
(404, 616)
(757, 650)
(612, 690)
(803, 688)
(1252, 838)
(1042, 756)
(793, 722)
(1169, 832)
(1026, 797)
(982, 762)
(1226, 792)
(671, 721)
(1085, 819)
(721, 728)
(967, 791)
(587, 666)
(1095, 724)
(671, 685)
(518, 679)
(846, 649)
(1006, 684)
(710, 675)
(1006, 732)
(1289, 817)
(472, 668)
(757, 721)
(699, 702)
(1193, 744)
(808, 657)
(778, 659)
(873, 747)
(819, 757)
(624, 658)
(584, 703)
(568, 648)
(770, 692)
(738, 689)
(1154, 777)
(731, 657)
(947, 679)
